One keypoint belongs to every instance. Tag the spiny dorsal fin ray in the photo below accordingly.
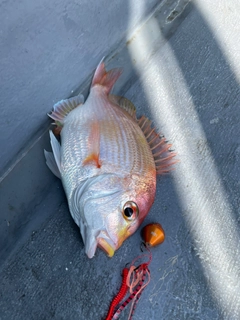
(62, 108)
(163, 157)
(124, 103)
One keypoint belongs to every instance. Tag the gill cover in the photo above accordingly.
(91, 206)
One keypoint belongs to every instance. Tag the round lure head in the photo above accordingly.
(111, 208)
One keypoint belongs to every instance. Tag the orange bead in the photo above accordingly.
(153, 234)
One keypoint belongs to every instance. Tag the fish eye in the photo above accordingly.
(130, 211)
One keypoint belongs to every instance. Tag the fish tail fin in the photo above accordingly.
(105, 78)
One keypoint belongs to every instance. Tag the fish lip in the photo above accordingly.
(93, 239)
(91, 246)
(106, 245)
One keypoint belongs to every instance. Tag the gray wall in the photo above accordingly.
(47, 48)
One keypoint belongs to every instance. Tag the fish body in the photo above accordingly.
(106, 164)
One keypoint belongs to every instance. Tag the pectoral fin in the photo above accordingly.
(92, 158)
(93, 146)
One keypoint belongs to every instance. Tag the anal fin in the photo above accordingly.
(163, 157)
(62, 108)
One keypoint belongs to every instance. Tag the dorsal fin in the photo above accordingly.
(105, 78)
(62, 108)
(124, 103)
(163, 157)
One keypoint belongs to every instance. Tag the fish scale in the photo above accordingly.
(126, 136)
(105, 163)
(114, 141)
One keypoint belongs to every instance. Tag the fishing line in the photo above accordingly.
(135, 279)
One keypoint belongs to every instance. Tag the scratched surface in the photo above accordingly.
(191, 91)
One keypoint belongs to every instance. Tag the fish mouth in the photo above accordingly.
(90, 242)
(107, 246)
(93, 239)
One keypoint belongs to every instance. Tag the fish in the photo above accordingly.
(108, 161)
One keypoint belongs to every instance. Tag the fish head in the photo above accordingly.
(111, 208)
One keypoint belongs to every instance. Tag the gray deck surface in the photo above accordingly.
(184, 81)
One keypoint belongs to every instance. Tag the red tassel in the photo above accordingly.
(121, 294)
